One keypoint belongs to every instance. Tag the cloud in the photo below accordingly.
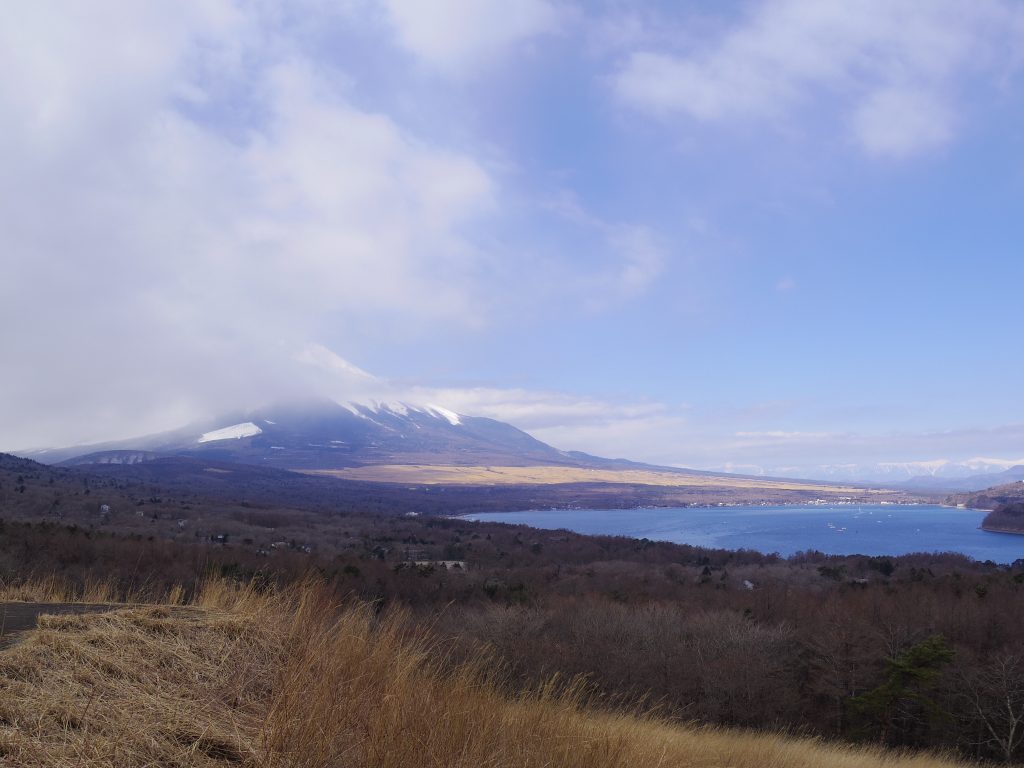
(456, 37)
(866, 456)
(341, 371)
(360, 212)
(528, 409)
(624, 262)
(539, 410)
(895, 71)
(783, 435)
(162, 257)
(188, 201)
(643, 258)
(899, 121)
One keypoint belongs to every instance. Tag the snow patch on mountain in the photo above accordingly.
(234, 432)
(402, 410)
(450, 416)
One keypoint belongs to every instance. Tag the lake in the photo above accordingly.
(867, 529)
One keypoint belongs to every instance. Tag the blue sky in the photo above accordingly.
(767, 236)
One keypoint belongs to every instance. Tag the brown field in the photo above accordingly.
(423, 474)
(290, 679)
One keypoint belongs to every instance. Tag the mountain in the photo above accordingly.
(966, 484)
(937, 475)
(415, 446)
(397, 458)
(329, 435)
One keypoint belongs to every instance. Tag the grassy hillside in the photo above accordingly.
(287, 679)
(183, 488)
(549, 475)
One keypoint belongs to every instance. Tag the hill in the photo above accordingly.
(989, 498)
(274, 679)
(1005, 502)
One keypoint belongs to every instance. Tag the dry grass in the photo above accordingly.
(549, 475)
(52, 589)
(55, 590)
(285, 680)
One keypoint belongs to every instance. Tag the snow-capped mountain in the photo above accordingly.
(939, 474)
(944, 468)
(325, 434)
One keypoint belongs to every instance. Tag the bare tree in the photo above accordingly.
(994, 695)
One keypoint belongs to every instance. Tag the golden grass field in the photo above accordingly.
(423, 474)
(289, 679)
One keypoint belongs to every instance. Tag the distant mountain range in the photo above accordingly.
(939, 475)
(329, 435)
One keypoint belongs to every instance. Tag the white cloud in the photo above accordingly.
(319, 357)
(643, 258)
(893, 456)
(458, 36)
(360, 213)
(623, 264)
(783, 435)
(528, 409)
(896, 69)
(189, 199)
(614, 427)
(160, 257)
(538, 410)
(899, 121)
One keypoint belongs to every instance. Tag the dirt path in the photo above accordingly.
(16, 618)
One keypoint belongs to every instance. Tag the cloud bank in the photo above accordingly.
(895, 72)
(190, 194)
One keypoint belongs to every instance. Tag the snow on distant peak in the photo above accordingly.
(450, 416)
(915, 468)
(984, 464)
(235, 431)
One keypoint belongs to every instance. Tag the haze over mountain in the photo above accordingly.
(324, 434)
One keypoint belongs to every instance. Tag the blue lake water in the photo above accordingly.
(868, 529)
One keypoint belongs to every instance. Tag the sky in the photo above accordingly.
(777, 236)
